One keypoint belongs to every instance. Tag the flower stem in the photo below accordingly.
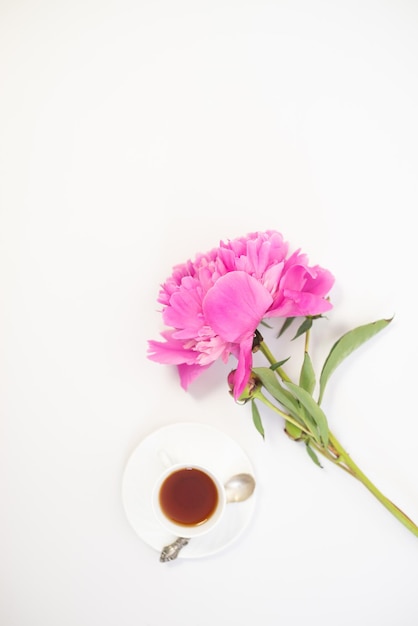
(288, 418)
(307, 336)
(270, 358)
(357, 473)
(335, 452)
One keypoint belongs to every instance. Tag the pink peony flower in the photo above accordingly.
(214, 304)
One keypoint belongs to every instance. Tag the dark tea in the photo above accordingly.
(188, 496)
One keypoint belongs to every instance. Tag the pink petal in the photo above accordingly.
(170, 352)
(298, 304)
(243, 371)
(188, 373)
(319, 281)
(235, 306)
(185, 310)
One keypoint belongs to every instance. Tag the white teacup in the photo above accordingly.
(188, 500)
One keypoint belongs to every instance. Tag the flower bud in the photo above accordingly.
(250, 390)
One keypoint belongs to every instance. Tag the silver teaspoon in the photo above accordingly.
(237, 489)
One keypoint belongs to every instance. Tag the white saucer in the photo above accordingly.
(184, 443)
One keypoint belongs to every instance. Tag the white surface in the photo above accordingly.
(194, 444)
(133, 135)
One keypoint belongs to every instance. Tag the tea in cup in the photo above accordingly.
(189, 500)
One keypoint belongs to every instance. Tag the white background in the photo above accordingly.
(134, 134)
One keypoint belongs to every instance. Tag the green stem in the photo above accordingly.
(257, 394)
(328, 455)
(337, 454)
(357, 473)
(307, 336)
(270, 358)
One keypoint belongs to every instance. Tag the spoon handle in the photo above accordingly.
(170, 552)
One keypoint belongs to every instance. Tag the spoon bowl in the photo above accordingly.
(239, 487)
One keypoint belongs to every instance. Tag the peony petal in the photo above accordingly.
(185, 310)
(243, 371)
(272, 277)
(298, 304)
(235, 306)
(188, 373)
(295, 278)
(170, 352)
(319, 281)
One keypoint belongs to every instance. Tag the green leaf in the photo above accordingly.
(307, 378)
(288, 321)
(275, 366)
(256, 418)
(270, 381)
(313, 409)
(304, 327)
(342, 348)
(288, 400)
(313, 455)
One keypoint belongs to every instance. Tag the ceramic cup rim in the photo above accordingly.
(180, 530)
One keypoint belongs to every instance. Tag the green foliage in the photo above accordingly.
(313, 411)
(304, 327)
(307, 379)
(275, 366)
(312, 455)
(305, 421)
(342, 348)
(287, 323)
(257, 418)
(296, 399)
(298, 402)
(272, 384)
